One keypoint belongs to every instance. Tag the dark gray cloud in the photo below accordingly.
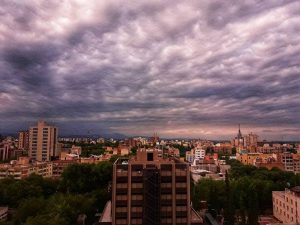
(182, 68)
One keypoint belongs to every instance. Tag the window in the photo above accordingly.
(150, 156)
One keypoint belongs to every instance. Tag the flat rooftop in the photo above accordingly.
(148, 156)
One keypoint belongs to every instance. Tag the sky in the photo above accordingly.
(182, 68)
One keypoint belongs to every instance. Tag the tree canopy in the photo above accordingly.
(82, 189)
(237, 197)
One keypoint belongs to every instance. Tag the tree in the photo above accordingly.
(30, 208)
(46, 220)
(82, 178)
(229, 211)
(233, 151)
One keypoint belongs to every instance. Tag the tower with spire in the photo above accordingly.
(239, 136)
(238, 141)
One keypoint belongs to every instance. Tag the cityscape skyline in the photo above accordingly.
(239, 133)
(136, 69)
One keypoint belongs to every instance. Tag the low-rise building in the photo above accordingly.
(76, 150)
(225, 147)
(22, 168)
(250, 158)
(189, 156)
(60, 165)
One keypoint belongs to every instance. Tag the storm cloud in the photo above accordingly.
(179, 68)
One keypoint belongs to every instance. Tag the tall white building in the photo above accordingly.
(43, 141)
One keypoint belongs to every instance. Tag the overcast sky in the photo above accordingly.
(179, 68)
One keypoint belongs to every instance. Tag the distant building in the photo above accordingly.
(287, 161)
(174, 152)
(286, 205)
(225, 147)
(123, 150)
(5, 151)
(189, 156)
(76, 150)
(238, 141)
(199, 153)
(60, 165)
(100, 140)
(195, 154)
(249, 142)
(149, 189)
(22, 168)
(155, 139)
(43, 142)
(23, 140)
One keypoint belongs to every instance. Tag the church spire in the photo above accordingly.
(239, 136)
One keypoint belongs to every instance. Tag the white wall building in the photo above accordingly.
(199, 153)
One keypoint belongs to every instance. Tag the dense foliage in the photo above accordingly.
(182, 149)
(246, 192)
(83, 189)
(89, 149)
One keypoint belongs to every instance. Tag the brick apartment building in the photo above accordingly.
(149, 189)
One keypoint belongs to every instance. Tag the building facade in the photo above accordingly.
(151, 190)
(22, 168)
(199, 153)
(286, 205)
(5, 151)
(43, 142)
(23, 141)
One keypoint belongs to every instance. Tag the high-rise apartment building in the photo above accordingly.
(23, 141)
(42, 142)
(149, 189)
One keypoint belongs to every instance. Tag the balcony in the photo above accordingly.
(136, 214)
(166, 190)
(180, 214)
(167, 214)
(136, 174)
(137, 190)
(166, 179)
(136, 202)
(181, 202)
(137, 179)
(121, 203)
(181, 179)
(181, 190)
(121, 191)
(121, 215)
(166, 202)
(122, 179)
(122, 173)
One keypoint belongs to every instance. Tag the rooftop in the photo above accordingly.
(148, 156)
(296, 189)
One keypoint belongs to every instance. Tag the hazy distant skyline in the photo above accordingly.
(179, 68)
